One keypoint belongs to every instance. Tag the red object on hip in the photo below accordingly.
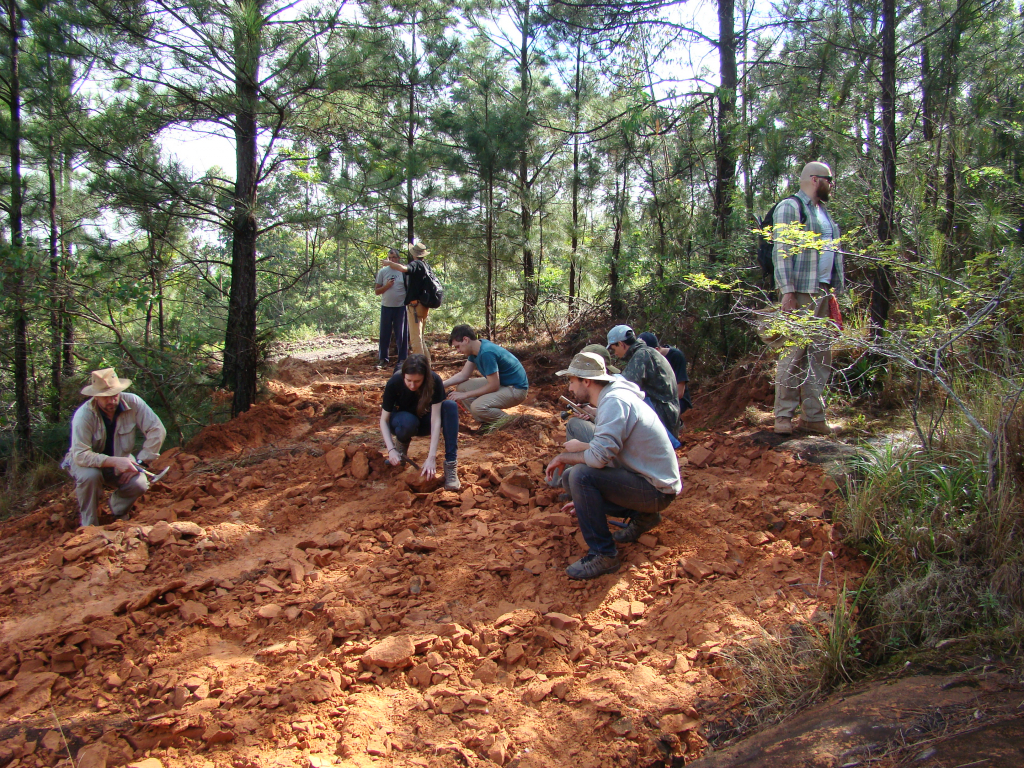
(834, 313)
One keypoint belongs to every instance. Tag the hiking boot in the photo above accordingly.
(451, 476)
(592, 566)
(783, 426)
(816, 427)
(402, 448)
(638, 525)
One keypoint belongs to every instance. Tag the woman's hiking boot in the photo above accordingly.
(451, 476)
(402, 448)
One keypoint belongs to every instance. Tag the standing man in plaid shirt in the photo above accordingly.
(805, 278)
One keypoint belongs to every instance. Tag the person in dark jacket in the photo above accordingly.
(415, 273)
(650, 371)
(677, 360)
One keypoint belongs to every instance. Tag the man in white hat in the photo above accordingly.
(102, 440)
(628, 469)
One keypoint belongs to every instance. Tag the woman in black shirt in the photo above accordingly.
(414, 405)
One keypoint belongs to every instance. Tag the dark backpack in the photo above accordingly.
(431, 290)
(765, 248)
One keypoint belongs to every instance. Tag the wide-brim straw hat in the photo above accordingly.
(598, 349)
(419, 250)
(587, 365)
(105, 383)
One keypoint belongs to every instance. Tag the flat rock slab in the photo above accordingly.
(31, 692)
(391, 653)
(879, 718)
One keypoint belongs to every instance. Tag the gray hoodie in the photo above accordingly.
(629, 435)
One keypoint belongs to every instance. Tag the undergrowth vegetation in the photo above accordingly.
(943, 528)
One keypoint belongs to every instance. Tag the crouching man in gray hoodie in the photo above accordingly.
(628, 469)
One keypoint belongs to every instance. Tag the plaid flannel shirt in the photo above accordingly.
(796, 271)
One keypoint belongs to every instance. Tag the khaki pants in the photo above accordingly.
(803, 371)
(417, 317)
(487, 409)
(89, 485)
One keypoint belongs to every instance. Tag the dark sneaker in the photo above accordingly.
(638, 525)
(592, 566)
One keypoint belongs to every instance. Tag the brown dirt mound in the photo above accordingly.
(723, 400)
(260, 424)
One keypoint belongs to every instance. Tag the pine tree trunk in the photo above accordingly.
(410, 204)
(240, 351)
(526, 213)
(881, 278)
(56, 359)
(574, 248)
(67, 321)
(725, 152)
(618, 305)
(16, 286)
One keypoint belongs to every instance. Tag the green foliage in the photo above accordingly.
(945, 544)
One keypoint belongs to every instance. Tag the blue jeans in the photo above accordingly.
(671, 438)
(392, 321)
(598, 493)
(407, 425)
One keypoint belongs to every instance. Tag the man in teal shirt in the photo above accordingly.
(502, 383)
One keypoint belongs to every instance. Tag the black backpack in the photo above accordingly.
(765, 247)
(431, 290)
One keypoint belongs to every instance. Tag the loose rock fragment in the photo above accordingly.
(697, 569)
(93, 755)
(192, 611)
(391, 653)
(678, 723)
(561, 621)
(269, 611)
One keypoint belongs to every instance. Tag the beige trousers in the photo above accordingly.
(487, 409)
(803, 371)
(417, 325)
(89, 485)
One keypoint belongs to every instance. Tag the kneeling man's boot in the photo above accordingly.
(638, 525)
(592, 566)
(451, 476)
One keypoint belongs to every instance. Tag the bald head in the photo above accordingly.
(816, 181)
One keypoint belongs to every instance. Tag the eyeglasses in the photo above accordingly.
(826, 178)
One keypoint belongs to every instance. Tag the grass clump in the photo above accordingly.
(784, 673)
(943, 525)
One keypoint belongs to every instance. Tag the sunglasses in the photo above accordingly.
(826, 178)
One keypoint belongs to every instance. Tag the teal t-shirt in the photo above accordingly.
(493, 358)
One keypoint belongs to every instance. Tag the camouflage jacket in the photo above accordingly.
(649, 370)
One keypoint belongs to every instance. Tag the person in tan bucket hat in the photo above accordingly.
(102, 440)
(627, 469)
